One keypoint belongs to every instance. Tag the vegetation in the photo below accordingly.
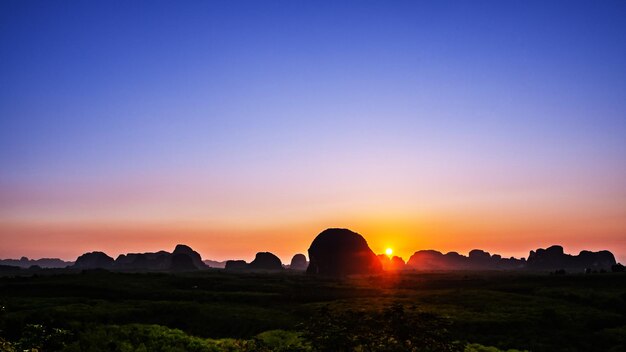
(217, 311)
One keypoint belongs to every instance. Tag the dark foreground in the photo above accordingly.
(217, 311)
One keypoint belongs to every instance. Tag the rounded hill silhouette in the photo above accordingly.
(266, 261)
(94, 260)
(298, 262)
(338, 252)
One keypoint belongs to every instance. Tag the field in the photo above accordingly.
(219, 311)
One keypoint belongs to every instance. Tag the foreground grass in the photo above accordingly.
(217, 311)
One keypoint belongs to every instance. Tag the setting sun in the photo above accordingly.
(388, 251)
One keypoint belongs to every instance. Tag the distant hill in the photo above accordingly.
(340, 252)
(215, 263)
(394, 263)
(263, 261)
(554, 258)
(334, 252)
(183, 258)
(550, 259)
(26, 263)
(298, 262)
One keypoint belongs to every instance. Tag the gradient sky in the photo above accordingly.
(238, 127)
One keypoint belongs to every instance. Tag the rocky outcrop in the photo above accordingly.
(144, 261)
(214, 263)
(394, 263)
(195, 256)
(159, 261)
(265, 261)
(26, 263)
(298, 262)
(339, 252)
(182, 262)
(236, 265)
(553, 258)
(93, 260)
(549, 259)
(477, 260)
(428, 260)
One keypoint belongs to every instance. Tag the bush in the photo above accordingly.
(391, 330)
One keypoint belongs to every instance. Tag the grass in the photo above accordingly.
(535, 312)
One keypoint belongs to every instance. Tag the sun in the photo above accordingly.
(389, 251)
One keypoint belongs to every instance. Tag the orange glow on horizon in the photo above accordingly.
(215, 241)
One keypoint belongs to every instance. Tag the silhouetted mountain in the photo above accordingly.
(158, 261)
(430, 260)
(237, 265)
(341, 252)
(182, 262)
(553, 258)
(265, 261)
(26, 263)
(144, 261)
(262, 261)
(93, 260)
(298, 262)
(391, 264)
(477, 260)
(195, 256)
(214, 263)
(548, 259)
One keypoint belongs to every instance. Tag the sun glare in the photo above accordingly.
(388, 251)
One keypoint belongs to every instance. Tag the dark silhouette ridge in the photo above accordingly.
(26, 263)
(158, 261)
(339, 252)
(196, 259)
(214, 263)
(549, 259)
(298, 262)
(237, 265)
(265, 261)
(93, 260)
(394, 263)
(182, 262)
(477, 260)
(143, 261)
(554, 258)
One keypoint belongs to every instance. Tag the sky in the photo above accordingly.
(244, 126)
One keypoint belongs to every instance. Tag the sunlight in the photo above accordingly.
(389, 251)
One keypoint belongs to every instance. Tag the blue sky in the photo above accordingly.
(334, 104)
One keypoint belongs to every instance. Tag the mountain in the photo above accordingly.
(477, 260)
(339, 252)
(394, 263)
(183, 258)
(93, 260)
(236, 265)
(553, 258)
(196, 259)
(298, 262)
(265, 261)
(25, 263)
(215, 263)
(550, 259)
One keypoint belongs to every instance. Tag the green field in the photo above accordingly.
(218, 311)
